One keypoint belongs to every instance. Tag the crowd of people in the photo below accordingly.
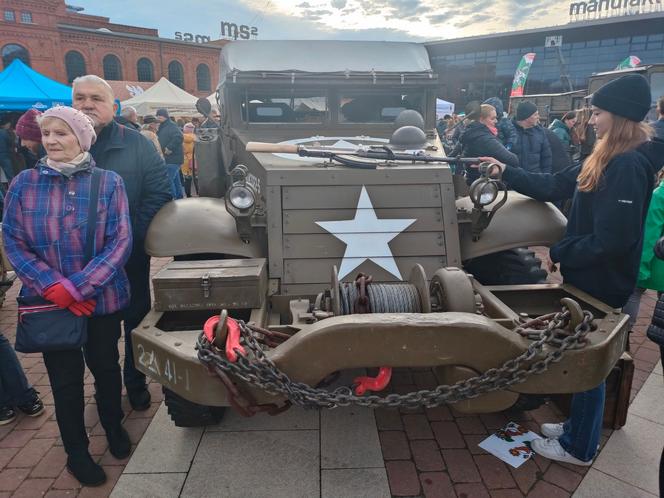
(604, 159)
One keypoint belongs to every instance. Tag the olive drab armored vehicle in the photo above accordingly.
(332, 234)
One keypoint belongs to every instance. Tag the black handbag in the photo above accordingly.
(42, 325)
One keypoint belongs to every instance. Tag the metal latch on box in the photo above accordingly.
(205, 285)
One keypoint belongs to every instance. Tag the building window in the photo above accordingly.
(176, 74)
(9, 16)
(26, 17)
(145, 69)
(75, 65)
(13, 51)
(112, 68)
(203, 78)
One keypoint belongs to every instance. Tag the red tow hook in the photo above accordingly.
(232, 337)
(377, 383)
(233, 341)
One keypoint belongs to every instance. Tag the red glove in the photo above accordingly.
(58, 294)
(84, 308)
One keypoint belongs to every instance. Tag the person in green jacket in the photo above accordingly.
(651, 269)
(563, 128)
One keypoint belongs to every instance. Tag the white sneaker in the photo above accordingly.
(551, 449)
(552, 431)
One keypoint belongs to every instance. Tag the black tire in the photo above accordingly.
(187, 414)
(512, 267)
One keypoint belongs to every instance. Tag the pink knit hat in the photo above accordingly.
(80, 124)
(188, 127)
(27, 127)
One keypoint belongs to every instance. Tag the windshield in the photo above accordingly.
(284, 107)
(374, 107)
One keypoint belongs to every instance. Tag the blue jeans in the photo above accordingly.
(176, 185)
(14, 387)
(584, 426)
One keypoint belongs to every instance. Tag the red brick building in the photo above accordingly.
(60, 42)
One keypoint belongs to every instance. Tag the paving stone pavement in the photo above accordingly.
(427, 453)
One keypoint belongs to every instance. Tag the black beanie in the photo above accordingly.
(524, 110)
(628, 96)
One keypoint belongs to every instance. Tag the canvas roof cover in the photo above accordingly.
(322, 56)
(23, 88)
(164, 94)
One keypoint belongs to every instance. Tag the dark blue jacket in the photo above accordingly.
(659, 128)
(170, 137)
(601, 249)
(136, 160)
(533, 149)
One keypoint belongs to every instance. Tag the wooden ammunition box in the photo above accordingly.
(212, 284)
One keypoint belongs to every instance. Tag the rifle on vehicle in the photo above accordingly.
(370, 156)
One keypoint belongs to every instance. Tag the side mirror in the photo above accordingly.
(204, 107)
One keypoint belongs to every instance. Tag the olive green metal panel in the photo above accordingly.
(325, 246)
(298, 271)
(304, 220)
(346, 196)
(451, 224)
(521, 222)
(275, 232)
(193, 226)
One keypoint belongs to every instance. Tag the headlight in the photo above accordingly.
(241, 197)
(483, 192)
(488, 194)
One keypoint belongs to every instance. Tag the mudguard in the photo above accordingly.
(521, 222)
(193, 226)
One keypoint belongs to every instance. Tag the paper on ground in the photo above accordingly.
(511, 444)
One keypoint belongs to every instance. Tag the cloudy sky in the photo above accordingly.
(415, 20)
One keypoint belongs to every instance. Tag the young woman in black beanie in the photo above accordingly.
(601, 248)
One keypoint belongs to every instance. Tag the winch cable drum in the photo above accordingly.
(365, 296)
(382, 298)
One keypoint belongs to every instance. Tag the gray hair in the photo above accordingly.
(127, 111)
(94, 80)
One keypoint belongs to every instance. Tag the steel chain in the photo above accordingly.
(258, 370)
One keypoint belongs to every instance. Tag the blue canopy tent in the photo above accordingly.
(23, 88)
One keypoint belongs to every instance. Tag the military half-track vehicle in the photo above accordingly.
(329, 237)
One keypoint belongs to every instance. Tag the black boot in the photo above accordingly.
(139, 398)
(119, 443)
(85, 470)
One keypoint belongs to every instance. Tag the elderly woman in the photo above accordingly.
(44, 230)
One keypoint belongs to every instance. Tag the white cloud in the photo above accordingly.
(415, 20)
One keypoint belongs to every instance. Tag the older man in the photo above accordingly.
(128, 117)
(128, 153)
(531, 146)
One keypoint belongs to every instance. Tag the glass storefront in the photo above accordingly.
(481, 74)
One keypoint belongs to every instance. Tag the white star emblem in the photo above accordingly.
(366, 234)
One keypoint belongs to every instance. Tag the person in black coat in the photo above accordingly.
(171, 141)
(601, 249)
(531, 146)
(131, 155)
(656, 334)
(560, 158)
(478, 140)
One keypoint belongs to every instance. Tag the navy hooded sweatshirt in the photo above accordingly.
(601, 249)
